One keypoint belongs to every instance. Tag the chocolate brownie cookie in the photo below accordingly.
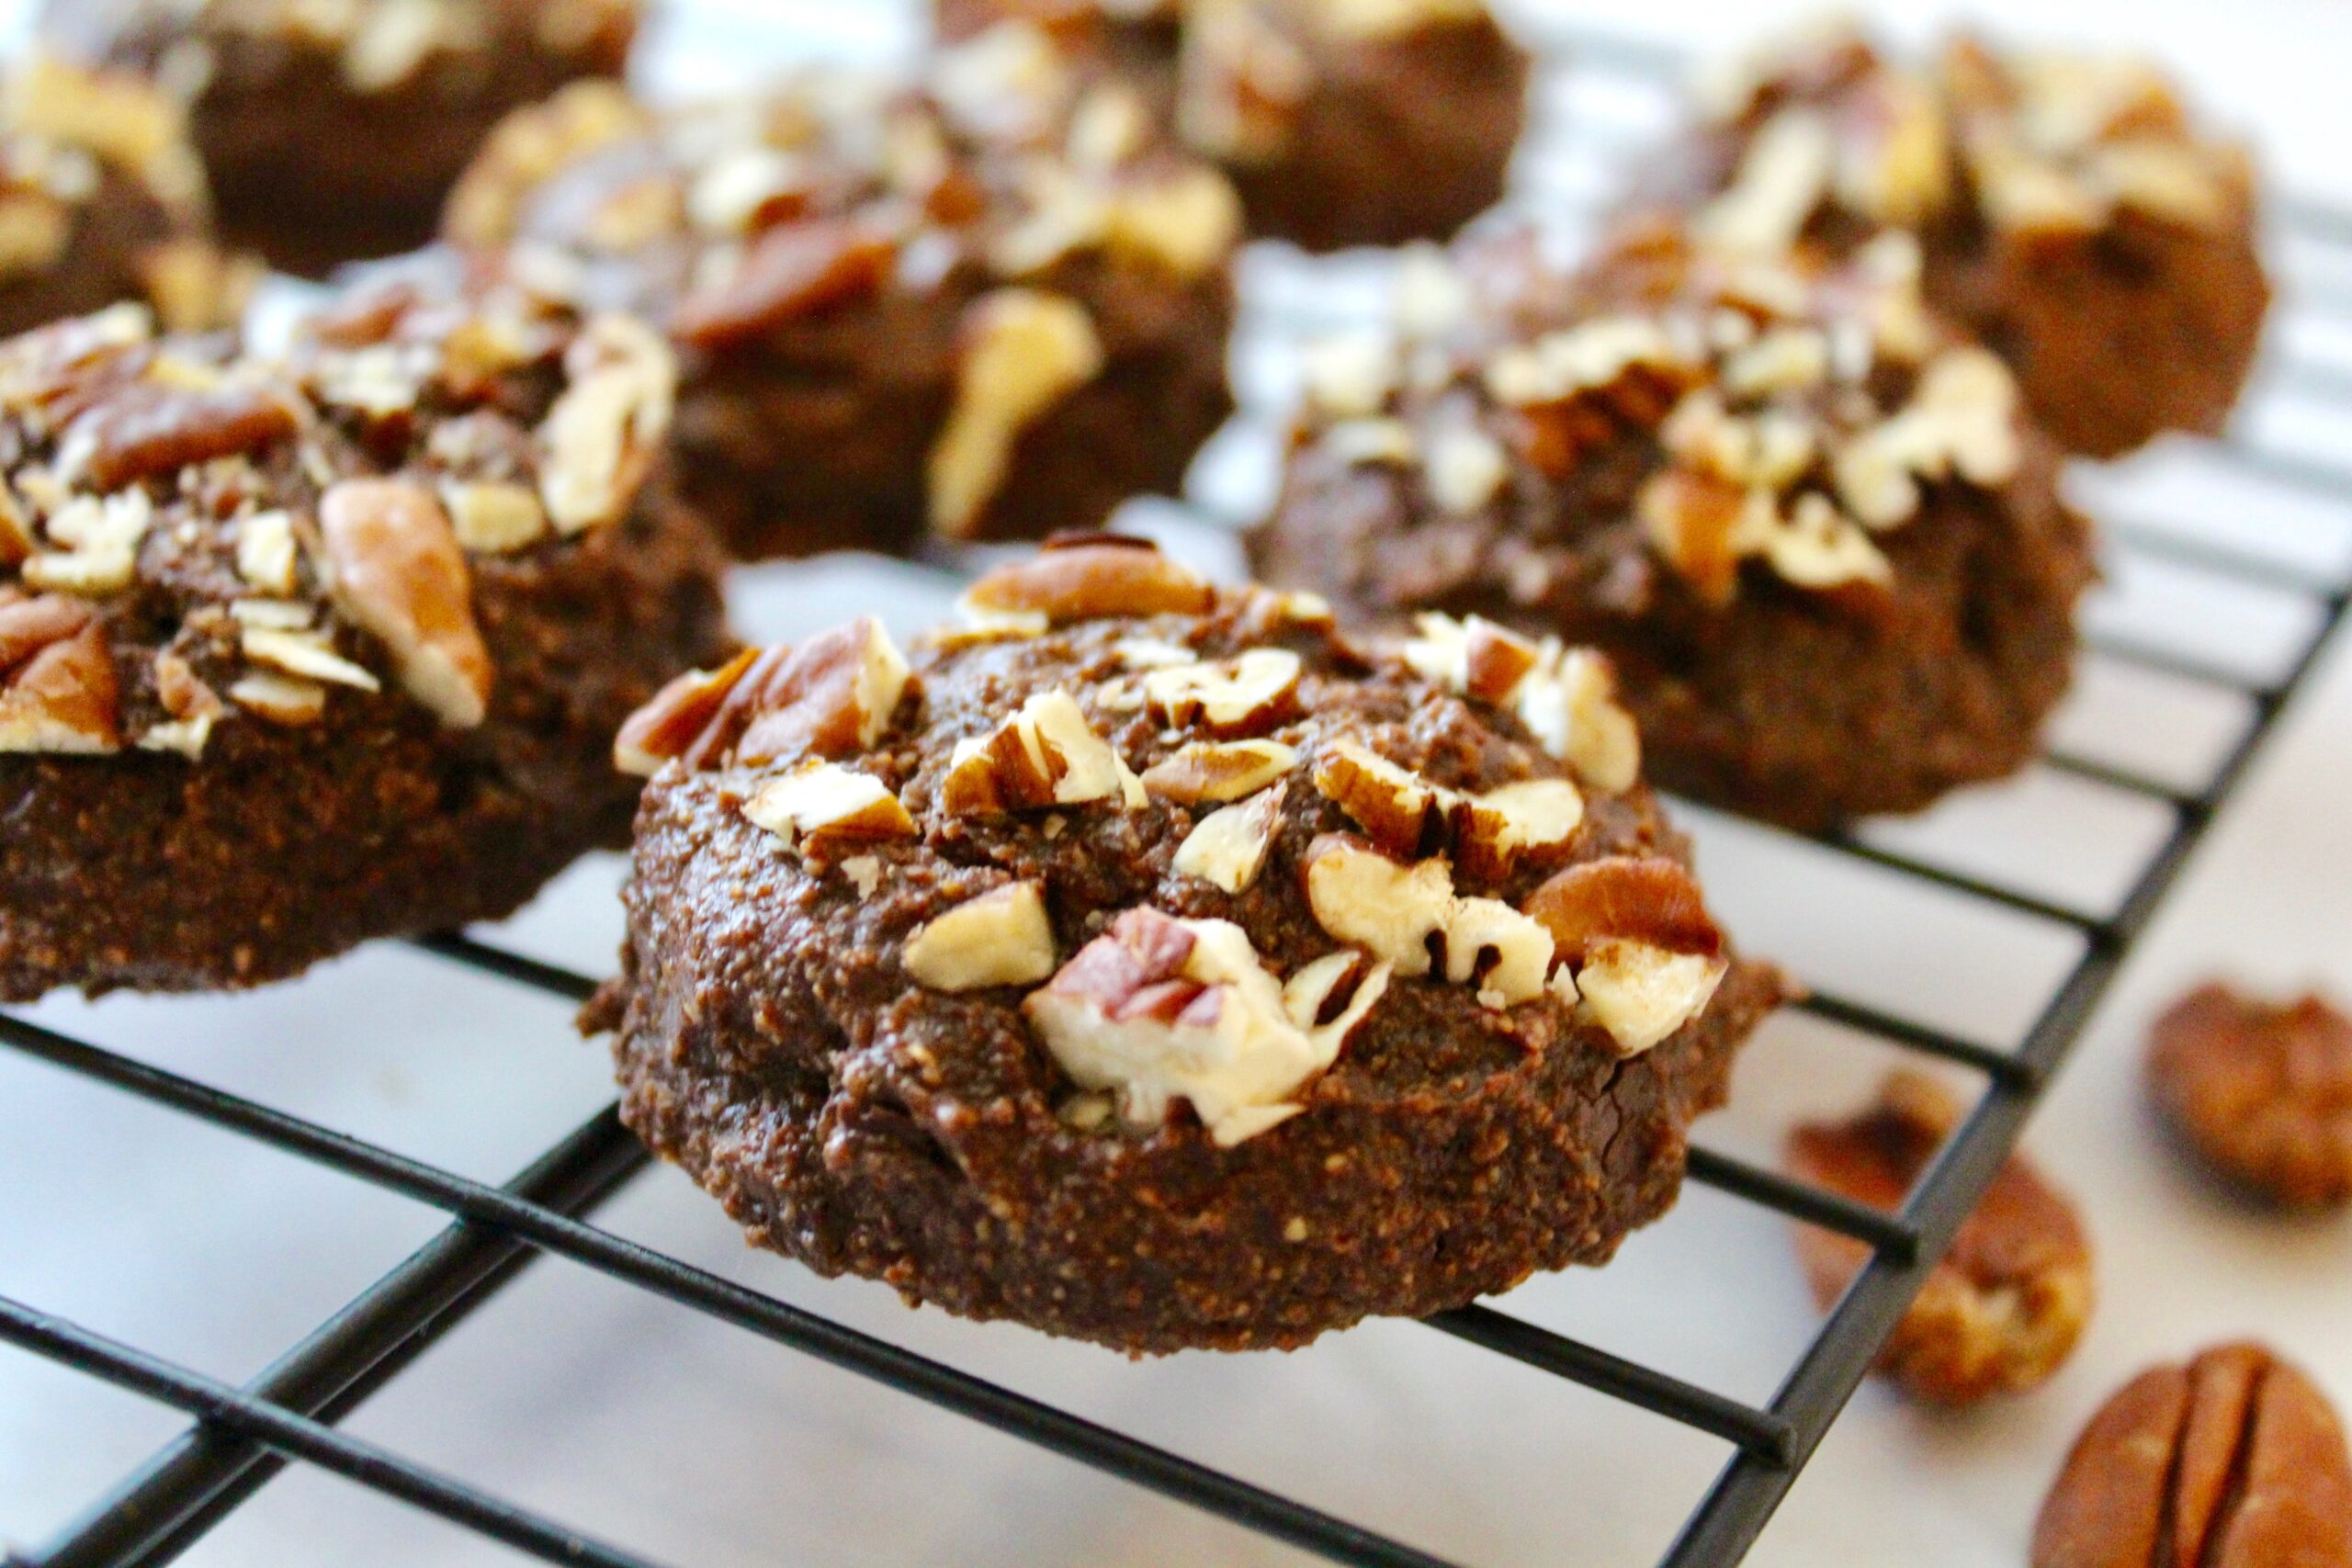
(1144, 963)
(2069, 213)
(334, 132)
(1815, 533)
(102, 201)
(1341, 123)
(990, 304)
(293, 656)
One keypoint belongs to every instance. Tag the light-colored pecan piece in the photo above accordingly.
(1001, 938)
(1089, 578)
(2235, 1460)
(1532, 821)
(1024, 352)
(1404, 814)
(1216, 772)
(832, 696)
(2004, 1309)
(1645, 898)
(58, 689)
(1227, 848)
(1245, 695)
(1045, 755)
(603, 433)
(818, 807)
(399, 575)
(680, 715)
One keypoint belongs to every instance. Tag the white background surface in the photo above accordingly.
(697, 1444)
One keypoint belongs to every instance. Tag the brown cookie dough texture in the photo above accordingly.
(2069, 213)
(293, 656)
(1343, 122)
(987, 305)
(333, 129)
(101, 201)
(1144, 963)
(1813, 531)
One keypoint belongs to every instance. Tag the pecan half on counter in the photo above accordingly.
(2263, 1094)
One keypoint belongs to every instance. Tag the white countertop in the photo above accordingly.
(697, 1444)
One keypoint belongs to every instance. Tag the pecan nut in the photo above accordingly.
(791, 273)
(58, 689)
(2004, 1308)
(2263, 1094)
(150, 428)
(2234, 1460)
(1089, 578)
(399, 575)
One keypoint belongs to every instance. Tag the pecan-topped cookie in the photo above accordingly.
(1815, 532)
(1143, 962)
(334, 128)
(2069, 212)
(102, 201)
(296, 656)
(1343, 122)
(963, 309)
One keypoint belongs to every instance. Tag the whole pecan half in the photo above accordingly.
(2235, 1460)
(2263, 1093)
(2004, 1309)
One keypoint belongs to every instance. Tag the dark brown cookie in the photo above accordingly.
(101, 201)
(1340, 123)
(334, 132)
(2069, 212)
(292, 658)
(1147, 965)
(1816, 534)
(989, 305)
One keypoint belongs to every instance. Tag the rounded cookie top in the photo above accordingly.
(193, 541)
(1738, 422)
(1825, 135)
(374, 46)
(1190, 842)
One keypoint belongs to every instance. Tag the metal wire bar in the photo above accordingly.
(162, 1508)
(1090, 1443)
(260, 1421)
(1924, 1038)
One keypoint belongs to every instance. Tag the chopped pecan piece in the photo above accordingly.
(399, 575)
(820, 805)
(680, 715)
(1045, 755)
(832, 696)
(147, 428)
(1218, 771)
(1001, 938)
(1089, 578)
(789, 273)
(1645, 898)
(58, 689)
(1241, 696)
(2004, 1309)
(1227, 848)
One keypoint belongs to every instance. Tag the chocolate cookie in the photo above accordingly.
(334, 132)
(2069, 213)
(102, 201)
(1815, 533)
(295, 656)
(1146, 963)
(989, 305)
(1340, 123)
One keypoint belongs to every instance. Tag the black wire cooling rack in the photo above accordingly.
(242, 1436)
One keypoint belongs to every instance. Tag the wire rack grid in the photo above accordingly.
(243, 1435)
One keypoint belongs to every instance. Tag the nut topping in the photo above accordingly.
(791, 273)
(2263, 1093)
(101, 540)
(1640, 995)
(2004, 1307)
(1232, 697)
(1001, 938)
(1158, 1009)
(1405, 815)
(680, 713)
(1227, 848)
(1218, 771)
(58, 689)
(1089, 578)
(147, 429)
(1024, 352)
(1475, 656)
(819, 804)
(605, 431)
(1532, 820)
(832, 696)
(1367, 899)
(1045, 755)
(1648, 899)
(2235, 1460)
(399, 575)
